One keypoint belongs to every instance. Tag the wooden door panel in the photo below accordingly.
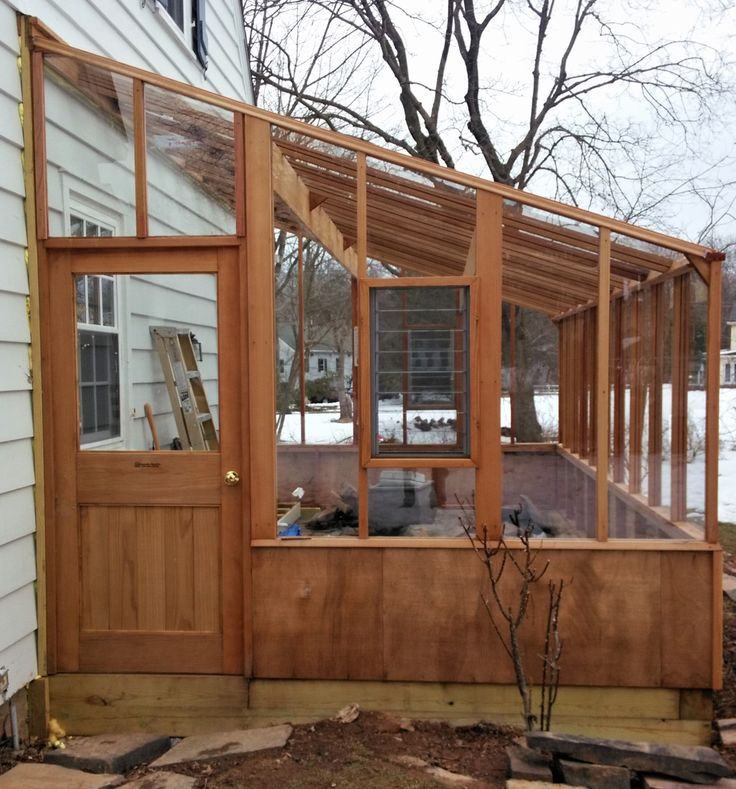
(148, 477)
(150, 589)
(148, 545)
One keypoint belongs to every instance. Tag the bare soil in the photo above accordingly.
(361, 754)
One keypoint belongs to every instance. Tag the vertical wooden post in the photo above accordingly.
(300, 341)
(30, 163)
(680, 337)
(141, 179)
(592, 344)
(362, 354)
(512, 370)
(712, 395)
(489, 268)
(39, 147)
(656, 352)
(259, 240)
(561, 389)
(239, 132)
(635, 393)
(366, 417)
(619, 394)
(602, 385)
(579, 385)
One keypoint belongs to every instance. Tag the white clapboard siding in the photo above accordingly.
(16, 461)
(16, 610)
(19, 561)
(17, 508)
(16, 418)
(15, 367)
(19, 658)
(13, 277)
(17, 516)
(136, 34)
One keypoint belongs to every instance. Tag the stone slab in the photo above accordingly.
(52, 776)
(201, 747)
(594, 776)
(729, 586)
(527, 764)
(513, 783)
(109, 753)
(689, 763)
(727, 730)
(447, 778)
(657, 782)
(161, 780)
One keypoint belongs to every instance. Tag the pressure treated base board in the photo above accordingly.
(187, 704)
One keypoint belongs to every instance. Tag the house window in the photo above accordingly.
(189, 18)
(728, 373)
(420, 373)
(321, 365)
(175, 9)
(98, 348)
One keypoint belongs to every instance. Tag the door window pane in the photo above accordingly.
(147, 361)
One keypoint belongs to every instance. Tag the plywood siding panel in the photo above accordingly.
(687, 617)
(434, 628)
(610, 610)
(317, 614)
(435, 625)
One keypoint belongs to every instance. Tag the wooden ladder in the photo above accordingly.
(186, 389)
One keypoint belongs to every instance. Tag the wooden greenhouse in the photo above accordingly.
(341, 385)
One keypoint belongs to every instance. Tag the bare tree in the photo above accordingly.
(323, 60)
(526, 91)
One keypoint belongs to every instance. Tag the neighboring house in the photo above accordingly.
(198, 43)
(728, 355)
(321, 359)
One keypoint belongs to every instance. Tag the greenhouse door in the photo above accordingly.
(143, 430)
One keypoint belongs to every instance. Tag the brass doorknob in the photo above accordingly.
(232, 478)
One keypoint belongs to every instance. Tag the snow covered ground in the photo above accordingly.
(321, 428)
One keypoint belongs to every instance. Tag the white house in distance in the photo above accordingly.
(200, 43)
(728, 355)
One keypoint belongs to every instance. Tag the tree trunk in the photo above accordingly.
(346, 402)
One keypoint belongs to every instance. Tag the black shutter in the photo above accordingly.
(199, 32)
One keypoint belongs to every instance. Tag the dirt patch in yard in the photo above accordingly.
(361, 754)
